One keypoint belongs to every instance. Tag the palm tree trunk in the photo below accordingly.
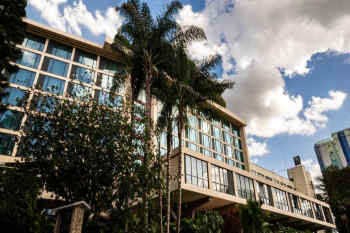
(180, 128)
(169, 148)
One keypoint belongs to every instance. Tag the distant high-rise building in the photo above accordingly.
(334, 151)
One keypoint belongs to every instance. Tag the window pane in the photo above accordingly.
(45, 104)
(22, 77)
(55, 66)
(82, 74)
(110, 66)
(108, 99)
(216, 132)
(109, 83)
(235, 131)
(7, 143)
(79, 91)
(34, 42)
(10, 119)
(29, 59)
(59, 50)
(85, 58)
(15, 97)
(205, 127)
(50, 84)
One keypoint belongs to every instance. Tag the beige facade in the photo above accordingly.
(216, 170)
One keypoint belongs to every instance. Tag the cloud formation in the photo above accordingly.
(258, 40)
(74, 17)
(256, 148)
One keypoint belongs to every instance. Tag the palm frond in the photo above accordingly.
(184, 37)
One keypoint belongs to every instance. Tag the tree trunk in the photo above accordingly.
(180, 128)
(169, 148)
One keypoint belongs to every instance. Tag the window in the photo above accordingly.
(85, 58)
(7, 142)
(45, 104)
(192, 135)
(217, 146)
(192, 146)
(245, 187)
(294, 203)
(239, 156)
(15, 97)
(22, 77)
(219, 157)
(306, 208)
(162, 139)
(264, 193)
(227, 137)
(196, 172)
(79, 91)
(175, 142)
(192, 120)
(222, 180)
(238, 143)
(10, 119)
(109, 83)
(50, 84)
(29, 59)
(108, 99)
(59, 50)
(226, 125)
(216, 132)
(281, 200)
(55, 66)
(205, 140)
(34, 42)
(205, 127)
(215, 121)
(229, 151)
(318, 211)
(328, 215)
(82, 74)
(241, 166)
(205, 152)
(110, 66)
(235, 131)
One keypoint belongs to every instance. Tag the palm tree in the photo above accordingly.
(188, 85)
(253, 218)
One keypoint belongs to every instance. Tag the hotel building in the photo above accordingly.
(217, 173)
(334, 151)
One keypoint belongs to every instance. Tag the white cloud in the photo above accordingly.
(256, 148)
(77, 15)
(314, 169)
(263, 37)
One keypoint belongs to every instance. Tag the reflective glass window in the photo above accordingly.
(245, 187)
(82, 74)
(7, 142)
(15, 97)
(192, 146)
(79, 91)
(34, 42)
(205, 126)
(239, 156)
(110, 66)
(227, 137)
(29, 59)
(10, 119)
(235, 131)
(192, 120)
(205, 140)
(196, 172)
(217, 146)
(59, 50)
(219, 157)
(22, 77)
(85, 58)
(50, 84)
(222, 180)
(44, 104)
(205, 152)
(281, 199)
(108, 99)
(162, 139)
(229, 151)
(216, 132)
(110, 83)
(55, 66)
(175, 142)
(192, 135)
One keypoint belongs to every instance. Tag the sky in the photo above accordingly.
(290, 61)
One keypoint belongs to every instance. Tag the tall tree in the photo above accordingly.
(336, 187)
(144, 44)
(253, 218)
(188, 86)
(12, 30)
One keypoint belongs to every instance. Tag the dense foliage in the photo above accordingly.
(204, 222)
(11, 33)
(336, 186)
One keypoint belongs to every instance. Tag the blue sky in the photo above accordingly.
(290, 61)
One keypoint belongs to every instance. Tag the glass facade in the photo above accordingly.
(50, 84)
(85, 58)
(7, 142)
(281, 199)
(59, 50)
(15, 97)
(110, 83)
(264, 193)
(108, 99)
(54, 66)
(11, 119)
(29, 59)
(306, 208)
(110, 66)
(222, 180)
(196, 172)
(82, 74)
(78, 91)
(245, 187)
(34, 42)
(22, 77)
